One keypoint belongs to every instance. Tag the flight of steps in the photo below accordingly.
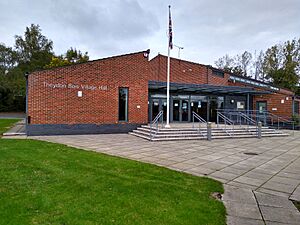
(186, 133)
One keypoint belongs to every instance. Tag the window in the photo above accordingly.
(218, 73)
(261, 106)
(123, 104)
(296, 108)
(240, 105)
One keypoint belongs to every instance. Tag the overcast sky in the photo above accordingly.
(207, 29)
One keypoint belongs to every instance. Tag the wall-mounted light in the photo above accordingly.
(232, 101)
(79, 94)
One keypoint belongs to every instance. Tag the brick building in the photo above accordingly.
(118, 94)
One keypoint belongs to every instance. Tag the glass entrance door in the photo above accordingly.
(213, 110)
(157, 105)
(155, 108)
(184, 110)
(164, 108)
(176, 110)
(199, 107)
(215, 103)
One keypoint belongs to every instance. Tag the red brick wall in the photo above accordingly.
(274, 102)
(184, 72)
(48, 105)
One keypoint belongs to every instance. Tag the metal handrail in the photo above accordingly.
(155, 122)
(226, 121)
(282, 120)
(249, 121)
(264, 116)
(201, 121)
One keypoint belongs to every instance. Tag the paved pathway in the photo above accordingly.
(12, 115)
(260, 175)
(18, 129)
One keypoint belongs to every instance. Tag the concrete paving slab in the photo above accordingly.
(272, 192)
(249, 211)
(233, 220)
(275, 186)
(280, 215)
(240, 195)
(274, 201)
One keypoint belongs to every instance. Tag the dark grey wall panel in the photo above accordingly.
(62, 129)
(229, 105)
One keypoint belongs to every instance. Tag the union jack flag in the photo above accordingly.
(170, 30)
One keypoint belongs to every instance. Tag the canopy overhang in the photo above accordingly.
(204, 88)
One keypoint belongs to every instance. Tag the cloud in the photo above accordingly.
(206, 29)
(107, 28)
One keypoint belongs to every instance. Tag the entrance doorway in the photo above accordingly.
(215, 103)
(156, 105)
(199, 107)
(261, 106)
(180, 108)
(183, 106)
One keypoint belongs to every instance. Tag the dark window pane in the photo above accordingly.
(123, 104)
(218, 73)
(296, 107)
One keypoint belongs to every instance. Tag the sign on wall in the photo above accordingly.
(75, 86)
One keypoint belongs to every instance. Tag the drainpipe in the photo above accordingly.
(26, 75)
(293, 106)
(248, 104)
(207, 74)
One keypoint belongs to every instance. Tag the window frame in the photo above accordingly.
(126, 106)
(218, 73)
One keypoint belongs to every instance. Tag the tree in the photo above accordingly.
(8, 58)
(226, 63)
(34, 50)
(245, 60)
(75, 56)
(237, 64)
(258, 67)
(72, 56)
(282, 62)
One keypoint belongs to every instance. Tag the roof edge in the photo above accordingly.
(91, 61)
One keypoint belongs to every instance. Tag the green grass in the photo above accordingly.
(45, 183)
(5, 124)
(297, 204)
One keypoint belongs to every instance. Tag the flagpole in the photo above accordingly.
(168, 89)
(168, 78)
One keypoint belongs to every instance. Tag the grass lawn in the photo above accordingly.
(5, 124)
(297, 204)
(45, 183)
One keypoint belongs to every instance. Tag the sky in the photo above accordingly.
(206, 29)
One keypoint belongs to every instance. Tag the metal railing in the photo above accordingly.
(270, 119)
(247, 122)
(280, 120)
(267, 118)
(200, 122)
(228, 123)
(155, 123)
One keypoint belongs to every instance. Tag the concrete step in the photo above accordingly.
(140, 135)
(147, 127)
(186, 133)
(9, 134)
(192, 133)
(175, 134)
